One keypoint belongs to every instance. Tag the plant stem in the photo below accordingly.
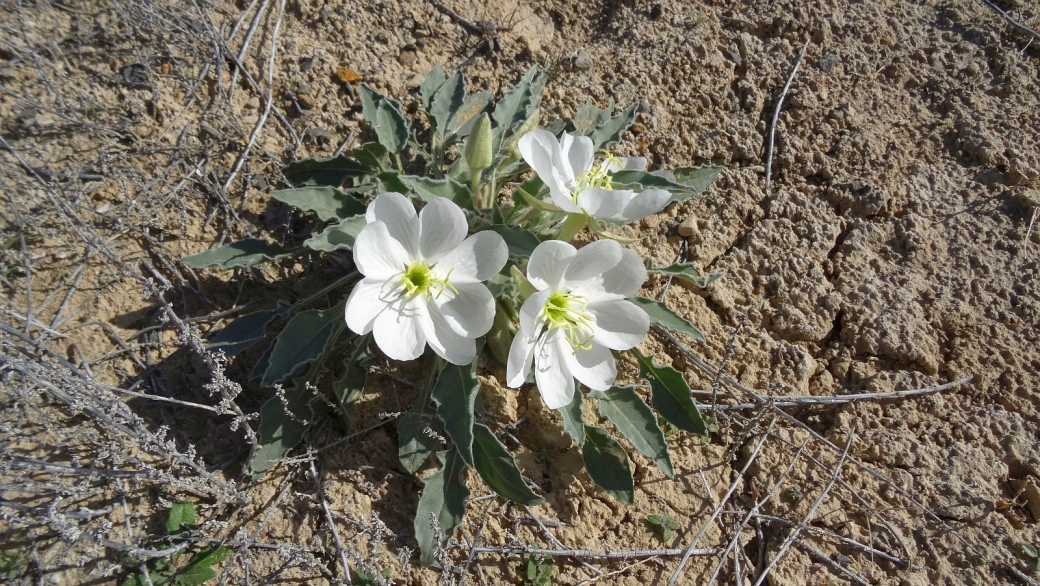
(571, 226)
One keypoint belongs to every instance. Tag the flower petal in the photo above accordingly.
(593, 259)
(365, 303)
(377, 254)
(578, 151)
(442, 228)
(619, 325)
(397, 330)
(521, 354)
(548, 263)
(531, 311)
(394, 210)
(645, 203)
(617, 283)
(554, 379)
(477, 259)
(470, 312)
(604, 203)
(442, 338)
(595, 367)
(541, 150)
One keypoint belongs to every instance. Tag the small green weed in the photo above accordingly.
(536, 570)
(1033, 553)
(197, 570)
(665, 526)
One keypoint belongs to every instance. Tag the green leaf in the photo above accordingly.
(607, 464)
(589, 117)
(245, 331)
(278, 431)
(211, 556)
(303, 340)
(498, 468)
(670, 395)
(324, 171)
(328, 203)
(433, 81)
(573, 419)
(462, 121)
(687, 272)
(244, 253)
(608, 132)
(447, 100)
(414, 445)
(428, 189)
(337, 236)
(350, 384)
(455, 395)
(694, 180)
(444, 499)
(634, 419)
(661, 316)
(262, 363)
(180, 514)
(640, 180)
(195, 575)
(518, 105)
(392, 127)
(521, 243)
(373, 156)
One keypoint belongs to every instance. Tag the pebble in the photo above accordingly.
(656, 12)
(688, 227)
(828, 61)
(407, 58)
(414, 81)
(582, 60)
(253, 103)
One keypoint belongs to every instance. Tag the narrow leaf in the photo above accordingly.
(608, 133)
(462, 122)
(245, 331)
(282, 425)
(573, 419)
(244, 253)
(392, 127)
(499, 470)
(195, 575)
(350, 384)
(664, 317)
(373, 156)
(695, 180)
(688, 272)
(414, 445)
(585, 119)
(640, 180)
(180, 514)
(303, 340)
(634, 419)
(455, 395)
(607, 464)
(447, 100)
(444, 499)
(324, 171)
(521, 243)
(337, 236)
(670, 395)
(370, 100)
(328, 203)
(433, 81)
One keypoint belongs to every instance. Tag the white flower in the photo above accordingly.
(422, 280)
(578, 315)
(577, 186)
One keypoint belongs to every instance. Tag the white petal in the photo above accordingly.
(548, 263)
(617, 283)
(578, 152)
(445, 342)
(619, 325)
(531, 311)
(397, 330)
(521, 354)
(646, 203)
(595, 367)
(377, 254)
(593, 259)
(633, 163)
(442, 228)
(554, 379)
(469, 313)
(541, 150)
(477, 259)
(603, 203)
(364, 304)
(562, 199)
(394, 210)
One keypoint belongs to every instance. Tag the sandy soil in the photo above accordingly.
(892, 252)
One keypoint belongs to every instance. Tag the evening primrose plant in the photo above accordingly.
(459, 224)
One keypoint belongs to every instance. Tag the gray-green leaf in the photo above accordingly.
(244, 253)
(392, 127)
(433, 81)
(694, 180)
(428, 189)
(521, 243)
(303, 340)
(670, 395)
(498, 468)
(444, 499)
(447, 100)
(328, 203)
(462, 121)
(245, 331)
(664, 317)
(608, 132)
(337, 236)
(350, 384)
(607, 464)
(688, 272)
(573, 419)
(180, 514)
(324, 171)
(634, 419)
(455, 395)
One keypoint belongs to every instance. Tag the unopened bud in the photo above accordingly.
(478, 146)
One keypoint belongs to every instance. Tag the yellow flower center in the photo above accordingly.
(597, 176)
(570, 312)
(418, 278)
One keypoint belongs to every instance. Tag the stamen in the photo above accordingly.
(418, 278)
(560, 312)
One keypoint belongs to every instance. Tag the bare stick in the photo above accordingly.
(776, 116)
(1018, 574)
(823, 558)
(466, 24)
(325, 504)
(718, 509)
(556, 542)
(245, 41)
(811, 400)
(812, 510)
(1025, 30)
(585, 553)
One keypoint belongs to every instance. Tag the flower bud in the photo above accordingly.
(478, 146)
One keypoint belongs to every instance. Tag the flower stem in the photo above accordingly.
(571, 226)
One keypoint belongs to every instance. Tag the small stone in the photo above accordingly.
(828, 61)
(101, 209)
(414, 81)
(252, 103)
(638, 127)
(319, 135)
(582, 60)
(305, 101)
(688, 227)
(135, 75)
(407, 58)
(656, 12)
(307, 64)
